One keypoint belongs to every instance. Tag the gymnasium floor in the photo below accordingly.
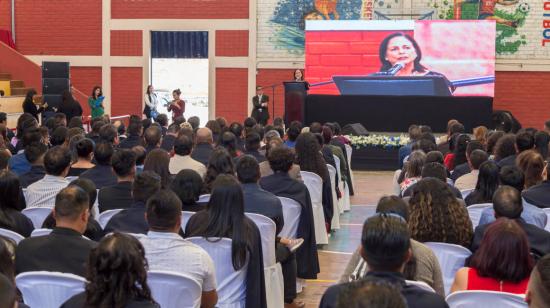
(369, 187)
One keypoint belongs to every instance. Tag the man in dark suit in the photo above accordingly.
(34, 153)
(132, 219)
(119, 196)
(170, 137)
(203, 148)
(135, 129)
(524, 141)
(260, 112)
(507, 203)
(102, 174)
(153, 138)
(252, 147)
(63, 250)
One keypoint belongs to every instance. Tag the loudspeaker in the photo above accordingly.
(53, 100)
(55, 86)
(55, 70)
(504, 120)
(355, 129)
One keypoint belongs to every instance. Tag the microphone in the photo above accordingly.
(395, 69)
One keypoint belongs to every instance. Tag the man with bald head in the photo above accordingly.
(507, 203)
(203, 145)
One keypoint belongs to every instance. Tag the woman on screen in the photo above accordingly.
(400, 55)
(299, 77)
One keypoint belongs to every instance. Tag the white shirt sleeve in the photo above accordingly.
(149, 103)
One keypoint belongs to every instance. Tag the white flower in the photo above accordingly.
(383, 141)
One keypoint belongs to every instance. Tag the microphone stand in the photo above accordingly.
(273, 86)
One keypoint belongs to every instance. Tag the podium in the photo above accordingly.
(295, 97)
(393, 85)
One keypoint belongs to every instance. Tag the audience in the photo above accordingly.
(469, 180)
(537, 194)
(502, 262)
(135, 130)
(18, 163)
(169, 138)
(158, 161)
(538, 289)
(252, 147)
(102, 173)
(532, 164)
(119, 196)
(34, 153)
(153, 138)
(433, 170)
(220, 163)
(10, 217)
(292, 133)
(412, 171)
(465, 168)
(487, 184)
(183, 146)
(85, 155)
(404, 151)
(203, 148)
(116, 276)
(188, 186)
(265, 167)
(224, 217)
(132, 219)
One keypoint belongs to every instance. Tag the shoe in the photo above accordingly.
(295, 244)
(295, 304)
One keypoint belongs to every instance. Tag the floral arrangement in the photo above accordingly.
(383, 141)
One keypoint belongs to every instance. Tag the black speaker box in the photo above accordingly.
(55, 70)
(55, 86)
(355, 129)
(505, 121)
(53, 100)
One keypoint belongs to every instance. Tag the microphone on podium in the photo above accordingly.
(395, 69)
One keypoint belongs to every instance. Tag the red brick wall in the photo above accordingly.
(61, 27)
(126, 43)
(232, 93)
(84, 79)
(232, 43)
(267, 77)
(5, 15)
(180, 9)
(126, 97)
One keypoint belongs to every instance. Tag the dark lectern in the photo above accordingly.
(295, 97)
(392, 85)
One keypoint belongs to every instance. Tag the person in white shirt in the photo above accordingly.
(57, 163)
(469, 180)
(183, 146)
(166, 250)
(151, 101)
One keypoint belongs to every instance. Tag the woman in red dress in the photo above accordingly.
(502, 262)
(177, 106)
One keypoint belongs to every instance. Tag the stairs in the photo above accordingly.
(12, 87)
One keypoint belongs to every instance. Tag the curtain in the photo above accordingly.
(179, 44)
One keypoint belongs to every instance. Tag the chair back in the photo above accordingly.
(104, 217)
(335, 223)
(267, 229)
(291, 213)
(41, 232)
(463, 299)
(349, 151)
(185, 215)
(547, 212)
(451, 258)
(37, 215)
(204, 198)
(71, 178)
(231, 284)
(48, 289)
(465, 193)
(176, 290)
(314, 185)
(475, 211)
(16, 237)
(337, 163)
(421, 284)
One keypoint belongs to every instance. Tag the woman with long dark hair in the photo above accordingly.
(10, 217)
(151, 102)
(502, 263)
(158, 161)
(117, 276)
(459, 157)
(487, 184)
(220, 163)
(224, 217)
(84, 149)
(70, 107)
(177, 106)
(542, 139)
(229, 142)
(30, 107)
(95, 101)
(309, 157)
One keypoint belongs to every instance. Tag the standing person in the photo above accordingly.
(260, 112)
(177, 106)
(95, 101)
(70, 107)
(30, 107)
(151, 102)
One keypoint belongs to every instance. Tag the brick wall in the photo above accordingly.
(84, 79)
(266, 77)
(126, 91)
(179, 9)
(232, 93)
(5, 15)
(126, 43)
(232, 43)
(61, 27)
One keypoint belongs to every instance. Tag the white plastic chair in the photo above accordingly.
(37, 215)
(475, 210)
(104, 217)
(48, 289)
(344, 189)
(16, 237)
(340, 184)
(421, 284)
(273, 273)
(185, 215)
(314, 185)
(176, 290)
(489, 299)
(335, 222)
(231, 284)
(451, 258)
(204, 198)
(71, 178)
(349, 152)
(465, 193)
(291, 213)
(547, 212)
(41, 232)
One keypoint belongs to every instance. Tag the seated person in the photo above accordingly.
(224, 217)
(386, 248)
(203, 146)
(502, 262)
(537, 193)
(434, 170)
(281, 184)
(119, 196)
(42, 193)
(64, 250)
(183, 146)
(188, 185)
(116, 276)
(34, 153)
(507, 203)
(412, 171)
(102, 174)
(8, 293)
(10, 217)
(132, 219)
(365, 293)
(424, 265)
(465, 168)
(469, 180)
(538, 290)
(487, 183)
(165, 250)
(135, 130)
(265, 167)
(252, 147)
(85, 154)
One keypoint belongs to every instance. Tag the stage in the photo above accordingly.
(371, 158)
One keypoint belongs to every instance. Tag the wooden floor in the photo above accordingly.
(369, 187)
